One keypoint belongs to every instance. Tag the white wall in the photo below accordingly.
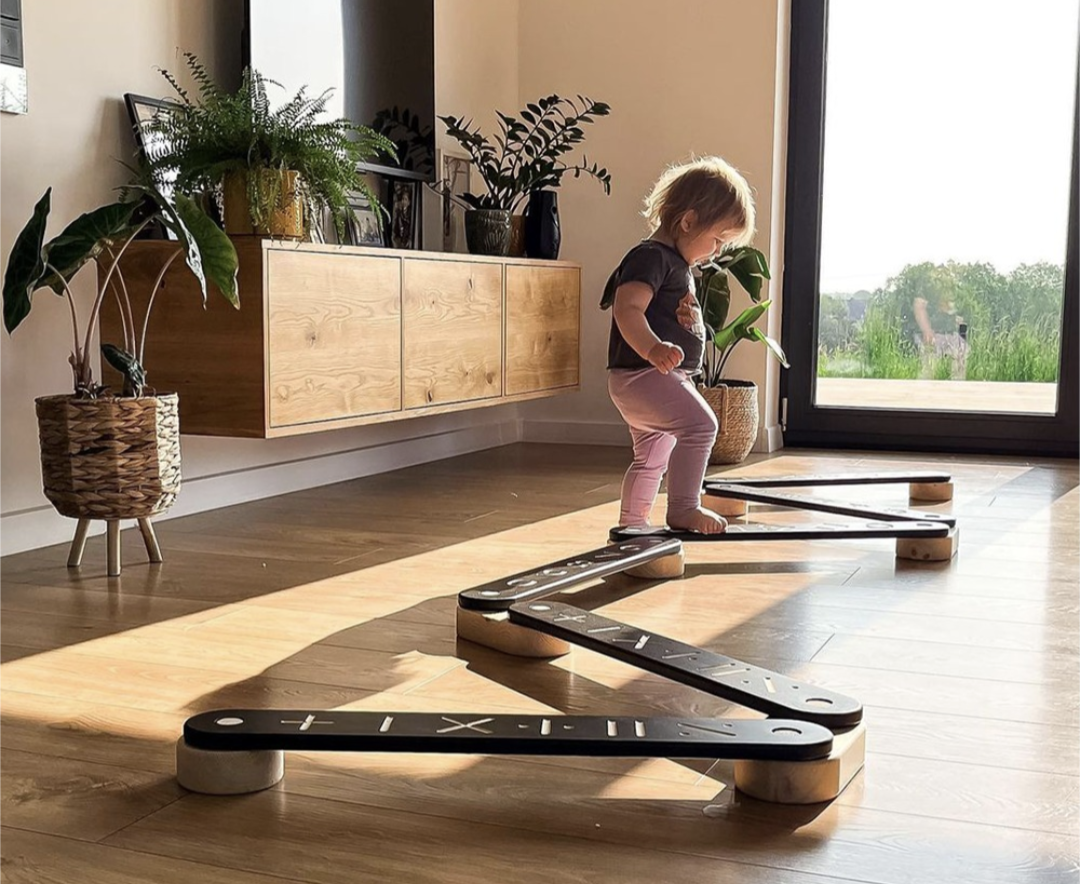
(81, 59)
(682, 77)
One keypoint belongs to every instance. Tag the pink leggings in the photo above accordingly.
(673, 429)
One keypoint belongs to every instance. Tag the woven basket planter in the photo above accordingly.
(110, 458)
(736, 406)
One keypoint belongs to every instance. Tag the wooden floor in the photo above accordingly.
(344, 597)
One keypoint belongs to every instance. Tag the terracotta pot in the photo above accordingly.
(110, 458)
(735, 404)
(286, 221)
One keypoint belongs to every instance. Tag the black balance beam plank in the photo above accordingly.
(742, 683)
(926, 477)
(816, 504)
(761, 531)
(499, 595)
(481, 734)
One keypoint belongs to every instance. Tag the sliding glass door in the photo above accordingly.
(930, 281)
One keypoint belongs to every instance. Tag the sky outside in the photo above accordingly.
(947, 135)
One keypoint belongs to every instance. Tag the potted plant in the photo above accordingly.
(279, 168)
(108, 455)
(528, 155)
(735, 402)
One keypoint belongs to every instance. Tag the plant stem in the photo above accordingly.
(127, 318)
(74, 318)
(150, 303)
(96, 311)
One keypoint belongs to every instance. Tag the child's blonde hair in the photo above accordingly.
(710, 187)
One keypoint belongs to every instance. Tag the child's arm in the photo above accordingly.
(631, 299)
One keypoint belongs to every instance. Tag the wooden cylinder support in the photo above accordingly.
(227, 773)
(494, 630)
(724, 506)
(667, 568)
(931, 492)
(805, 782)
(929, 549)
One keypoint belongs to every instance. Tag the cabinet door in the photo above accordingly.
(542, 327)
(452, 329)
(334, 336)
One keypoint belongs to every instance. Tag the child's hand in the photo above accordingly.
(689, 314)
(666, 357)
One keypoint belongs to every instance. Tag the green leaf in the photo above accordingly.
(84, 239)
(128, 366)
(738, 330)
(714, 297)
(25, 265)
(750, 268)
(758, 335)
(218, 256)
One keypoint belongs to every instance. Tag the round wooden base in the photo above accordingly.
(805, 782)
(724, 506)
(928, 549)
(930, 492)
(666, 568)
(227, 773)
(496, 631)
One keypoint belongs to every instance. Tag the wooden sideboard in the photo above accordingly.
(337, 336)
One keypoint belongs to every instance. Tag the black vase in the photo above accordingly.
(542, 234)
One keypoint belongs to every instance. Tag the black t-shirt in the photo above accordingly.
(666, 272)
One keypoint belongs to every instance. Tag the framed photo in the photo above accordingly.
(404, 205)
(454, 173)
(364, 229)
(143, 112)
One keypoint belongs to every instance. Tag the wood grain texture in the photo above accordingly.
(542, 328)
(452, 331)
(214, 356)
(345, 596)
(334, 336)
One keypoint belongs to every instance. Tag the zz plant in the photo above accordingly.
(530, 151)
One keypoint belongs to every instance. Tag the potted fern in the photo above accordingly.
(279, 168)
(735, 402)
(530, 153)
(106, 454)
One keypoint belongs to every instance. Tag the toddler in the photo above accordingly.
(658, 338)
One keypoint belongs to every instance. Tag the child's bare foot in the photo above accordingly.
(701, 520)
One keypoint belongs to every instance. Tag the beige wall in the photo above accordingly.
(81, 59)
(682, 77)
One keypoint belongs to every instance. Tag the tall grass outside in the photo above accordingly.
(1012, 323)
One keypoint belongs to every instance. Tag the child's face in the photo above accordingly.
(698, 244)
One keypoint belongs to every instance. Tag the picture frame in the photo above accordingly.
(455, 172)
(143, 111)
(364, 229)
(403, 229)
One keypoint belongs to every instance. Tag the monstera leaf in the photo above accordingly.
(25, 265)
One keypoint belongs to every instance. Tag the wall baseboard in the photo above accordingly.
(43, 526)
(769, 439)
(575, 433)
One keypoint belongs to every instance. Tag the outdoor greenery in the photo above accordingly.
(1013, 324)
(529, 153)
